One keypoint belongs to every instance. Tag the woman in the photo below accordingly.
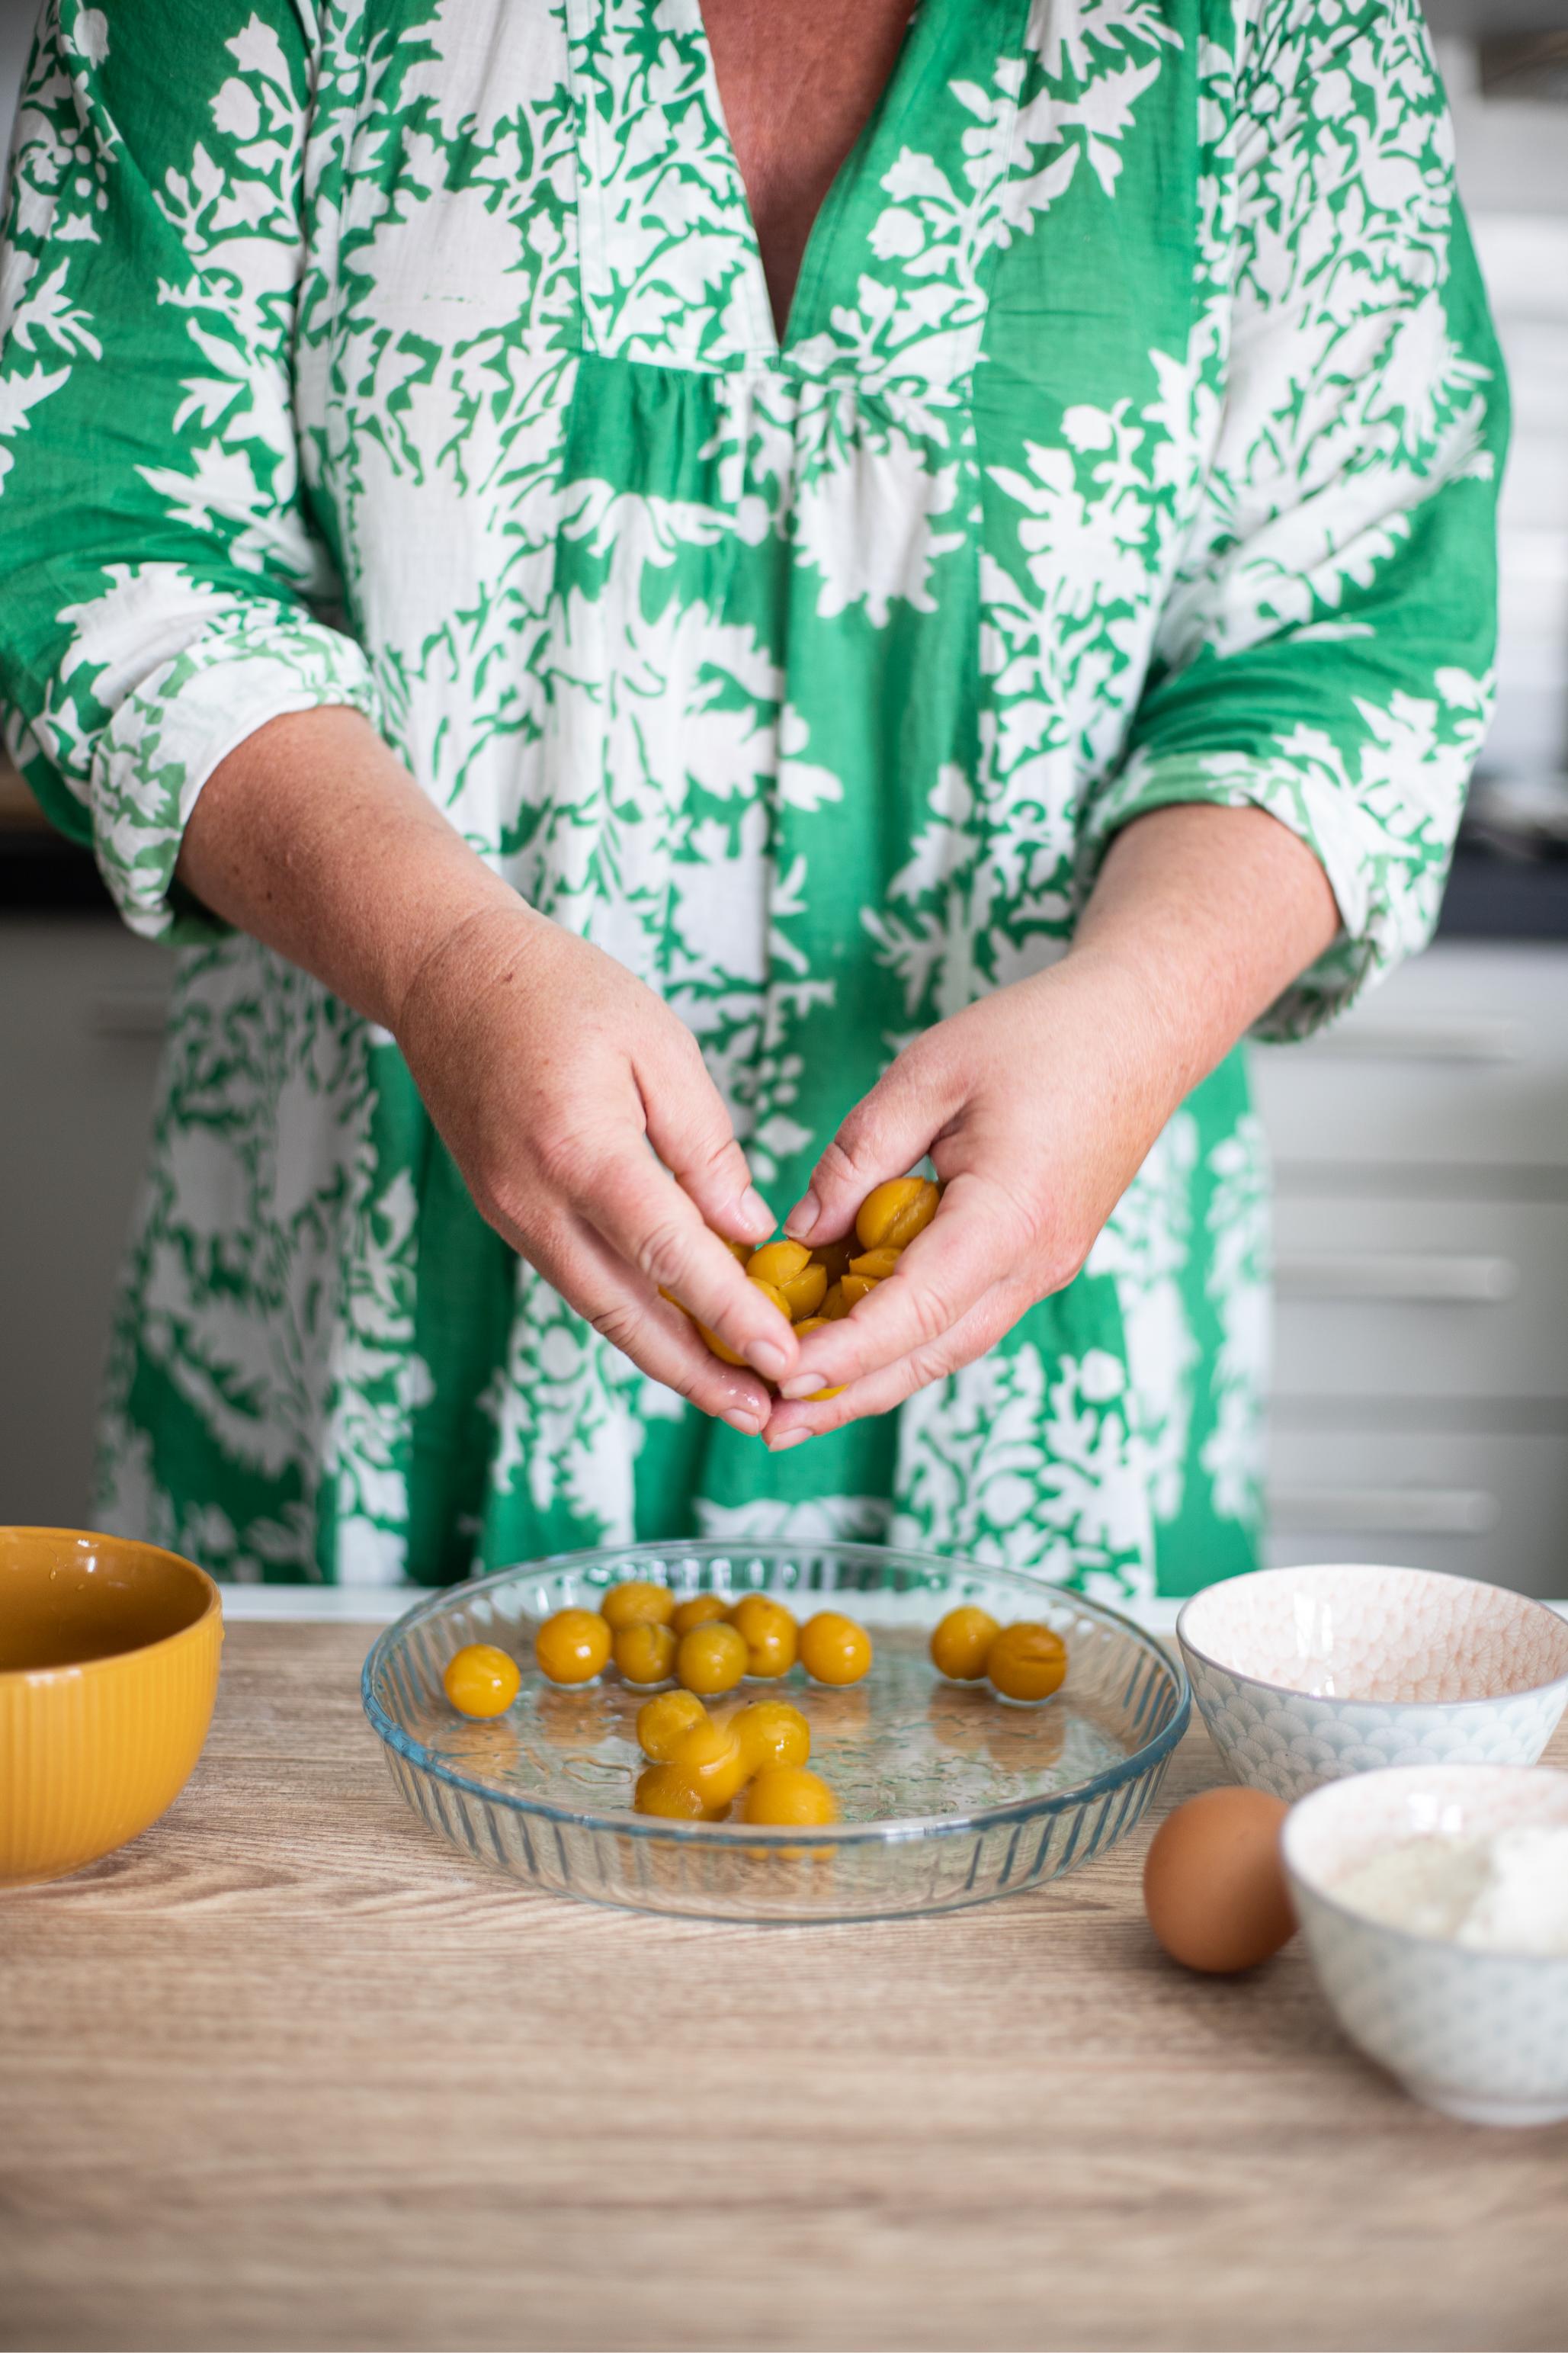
(571, 684)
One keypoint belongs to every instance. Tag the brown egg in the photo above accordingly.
(1213, 1885)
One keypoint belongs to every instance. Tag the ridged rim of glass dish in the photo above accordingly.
(898, 1829)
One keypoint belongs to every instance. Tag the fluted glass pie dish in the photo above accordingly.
(948, 1795)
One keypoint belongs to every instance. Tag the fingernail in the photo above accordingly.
(800, 1385)
(803, 1215)
(791, 1438)
(766, 1357)
(746, 1423)
(754, 1211)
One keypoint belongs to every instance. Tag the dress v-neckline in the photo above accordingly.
(839, 189)
(892, 282)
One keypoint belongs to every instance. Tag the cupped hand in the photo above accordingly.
(1036, 1106)
(550, 1071)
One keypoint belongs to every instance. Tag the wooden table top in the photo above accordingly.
(284, 2074)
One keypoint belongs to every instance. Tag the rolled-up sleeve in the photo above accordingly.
(1326, 651)
(163, 586)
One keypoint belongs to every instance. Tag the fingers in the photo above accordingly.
(887, 1131)
(690, 1129)
(650, 1222)
(972, 1242)
(624, 1309)
(993, 1313)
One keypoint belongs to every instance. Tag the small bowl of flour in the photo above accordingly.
(1495, 1892)
(1434, 1906)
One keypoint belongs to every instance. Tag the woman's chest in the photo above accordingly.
(796, 86)
(1007, 186)
(536, 306)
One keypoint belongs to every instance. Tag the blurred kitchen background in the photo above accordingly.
(1421, 1395)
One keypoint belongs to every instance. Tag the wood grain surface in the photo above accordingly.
(285, 2073)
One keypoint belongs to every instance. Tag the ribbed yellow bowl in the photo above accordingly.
(109, 1663)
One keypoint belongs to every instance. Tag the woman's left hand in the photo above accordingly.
(1036, 1106)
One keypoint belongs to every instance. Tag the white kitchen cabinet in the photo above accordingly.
(1420, 1404)
(1475, 1503)
(1402, 1296)
(1459, 1063)
(81, 1010)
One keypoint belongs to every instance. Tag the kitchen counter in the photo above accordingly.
(283, 2072)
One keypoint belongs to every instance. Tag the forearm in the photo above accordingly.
(1200, 918)
(313, 837)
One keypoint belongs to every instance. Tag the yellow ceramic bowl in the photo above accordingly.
(109, 1658)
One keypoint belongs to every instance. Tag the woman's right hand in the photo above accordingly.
(548, 1068)
(550, 1071)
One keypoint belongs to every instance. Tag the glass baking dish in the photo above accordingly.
(948, 1795)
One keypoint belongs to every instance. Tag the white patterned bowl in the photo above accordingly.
(1303, 1675)
(1481, 2035)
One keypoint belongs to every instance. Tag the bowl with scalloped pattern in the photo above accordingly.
(1306, 1675)
(1475, 2031)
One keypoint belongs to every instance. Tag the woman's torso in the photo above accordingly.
(786, 670)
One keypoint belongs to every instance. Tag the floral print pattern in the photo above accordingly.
(1132, 440)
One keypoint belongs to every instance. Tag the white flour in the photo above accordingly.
(1505, 1893)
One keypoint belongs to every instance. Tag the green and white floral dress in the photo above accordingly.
(1133, 440)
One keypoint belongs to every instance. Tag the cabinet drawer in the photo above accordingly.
(81, 1018)
(1420, 1298)
(1489, 1506)
(1461, 1059)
